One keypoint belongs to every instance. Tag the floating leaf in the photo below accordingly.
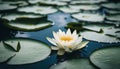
(87, 1)
(38, 9)
(85, 7)
(113, 18)
(48, 3)
(29, 24)
(29, 51)
(74, 64)
(68, 10)
(16, 3)
(4, 7)
(5, 53)
(106, 30)
(97, 31)
(89, 17)
(111, 12)
(106, 58)
(114, 6)
(20, 15)
(9, 46)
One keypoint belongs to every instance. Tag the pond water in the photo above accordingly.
(60, 20)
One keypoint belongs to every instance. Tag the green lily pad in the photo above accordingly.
(101, 33)
(97, 31)
(112, 12)
(89, 17)
(4, 7)
(29, 24)
(20, 15)
(30, 51)
(106, 58)
(85, 7)
(87, 1)
(68, 10)
(38, 9)
(16, 3)
(48, 3)
(74, 64)
(5, 54)
(114, 6)
(113, 18)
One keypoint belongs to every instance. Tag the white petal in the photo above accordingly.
(82, 44)
(74, 33)
(67, 49)
(79, 40)
(68, 32)
(54, 48)
(51, 41)
(56, 36)
(61, 52)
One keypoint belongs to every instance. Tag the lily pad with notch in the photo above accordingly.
(74, 64)
(106, 58)
(29, 24)
(102, 32)
(30, 51)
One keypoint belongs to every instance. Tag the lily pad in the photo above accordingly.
(106, 58)
(114, 6)
(29, 24)
(68, 10)
(111, 12)
(38, 9)
(85, 7)
(20, 15)
(5, 7)
(87, 1)
(31, 51)
(89, 17)
(101, 33)
(97, 31)
(16, 3)
(74, 64)
(5, 53)
(113, 17)
(48, 3)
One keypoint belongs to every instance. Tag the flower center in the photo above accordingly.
(66, 38)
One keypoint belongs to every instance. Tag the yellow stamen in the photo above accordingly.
(66, 38)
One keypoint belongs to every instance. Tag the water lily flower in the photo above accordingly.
(66, 42)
